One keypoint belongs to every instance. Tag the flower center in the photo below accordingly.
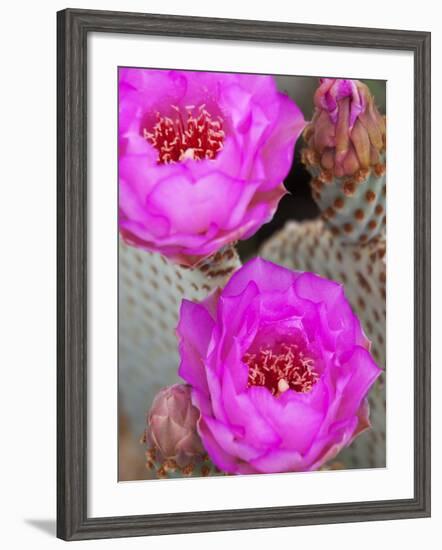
(282, 368)
(194, 135)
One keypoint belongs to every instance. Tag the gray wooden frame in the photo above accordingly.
(73, 27)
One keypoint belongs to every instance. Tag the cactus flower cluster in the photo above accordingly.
(274, 364)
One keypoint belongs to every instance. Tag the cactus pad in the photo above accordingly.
(352, 206)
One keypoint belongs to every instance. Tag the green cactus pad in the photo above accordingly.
(353, 207)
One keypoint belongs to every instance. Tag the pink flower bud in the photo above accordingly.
(171, 426)
(347, 132)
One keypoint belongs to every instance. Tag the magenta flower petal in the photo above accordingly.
(359, 383)
(192, 349)
(277, 153)
(280, 370)
(199, 201)
(338, 313)
(332, 91)
(278, 460)
(220, 457)
(241, 410)
(327, 447)
(231, 440)
(258, 272)
(205, 154)
(239, 312)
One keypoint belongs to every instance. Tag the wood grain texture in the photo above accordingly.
(72, 29)
(72, 275)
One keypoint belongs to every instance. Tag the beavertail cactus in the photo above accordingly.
(173, 443)
(345, 155)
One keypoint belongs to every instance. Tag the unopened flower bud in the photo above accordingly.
(347, 132)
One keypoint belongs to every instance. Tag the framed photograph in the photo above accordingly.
(243, 274)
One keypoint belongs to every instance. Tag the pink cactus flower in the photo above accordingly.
(280, 370)
(202, 157)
